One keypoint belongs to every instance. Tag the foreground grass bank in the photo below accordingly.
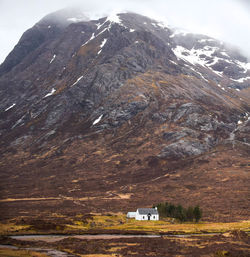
(20, 253)
(118, 223)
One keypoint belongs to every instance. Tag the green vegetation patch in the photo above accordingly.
(179, 212)
(10, 228)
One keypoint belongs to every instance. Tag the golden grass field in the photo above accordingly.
(120, 223)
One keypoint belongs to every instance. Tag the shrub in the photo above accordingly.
(179, 212)
(197, 213)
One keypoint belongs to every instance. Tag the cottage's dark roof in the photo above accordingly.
(146, 211)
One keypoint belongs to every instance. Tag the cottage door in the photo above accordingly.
(149, 215)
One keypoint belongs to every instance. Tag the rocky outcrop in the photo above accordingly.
(120, 112)
(186, 148)
(176, 135)
(68, 73)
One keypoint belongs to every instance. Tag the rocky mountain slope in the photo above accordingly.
(120, 112)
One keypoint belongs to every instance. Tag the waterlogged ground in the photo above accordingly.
(235, 244)
(96, 235)
(12, 251)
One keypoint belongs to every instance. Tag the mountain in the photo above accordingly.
(120, 112)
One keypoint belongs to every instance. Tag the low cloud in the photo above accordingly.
(227, 20)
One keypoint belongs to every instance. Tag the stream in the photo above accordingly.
(56, 238)
(49, 252)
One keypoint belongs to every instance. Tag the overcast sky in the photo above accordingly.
(228, 20)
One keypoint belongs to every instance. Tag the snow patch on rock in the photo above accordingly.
(198, 56)
(76, 81)
(114, 18)
(10, 107)
(241, 80)
(53, 58)
(50, 93)
(245, 66)
(102, 45)
(97, 120)
(91, 38)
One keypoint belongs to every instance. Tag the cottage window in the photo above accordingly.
(153, 217)
(143, 217)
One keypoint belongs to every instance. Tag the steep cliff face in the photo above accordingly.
(123, 106)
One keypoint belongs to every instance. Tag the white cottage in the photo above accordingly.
(144, 214)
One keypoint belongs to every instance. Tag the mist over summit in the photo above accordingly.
(227, 20)
(111, 113)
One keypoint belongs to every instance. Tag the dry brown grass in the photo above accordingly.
(100, 255)
(20, 253)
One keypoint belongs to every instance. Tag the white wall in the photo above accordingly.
(156, 217)
(145, 217)
(131, 214)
